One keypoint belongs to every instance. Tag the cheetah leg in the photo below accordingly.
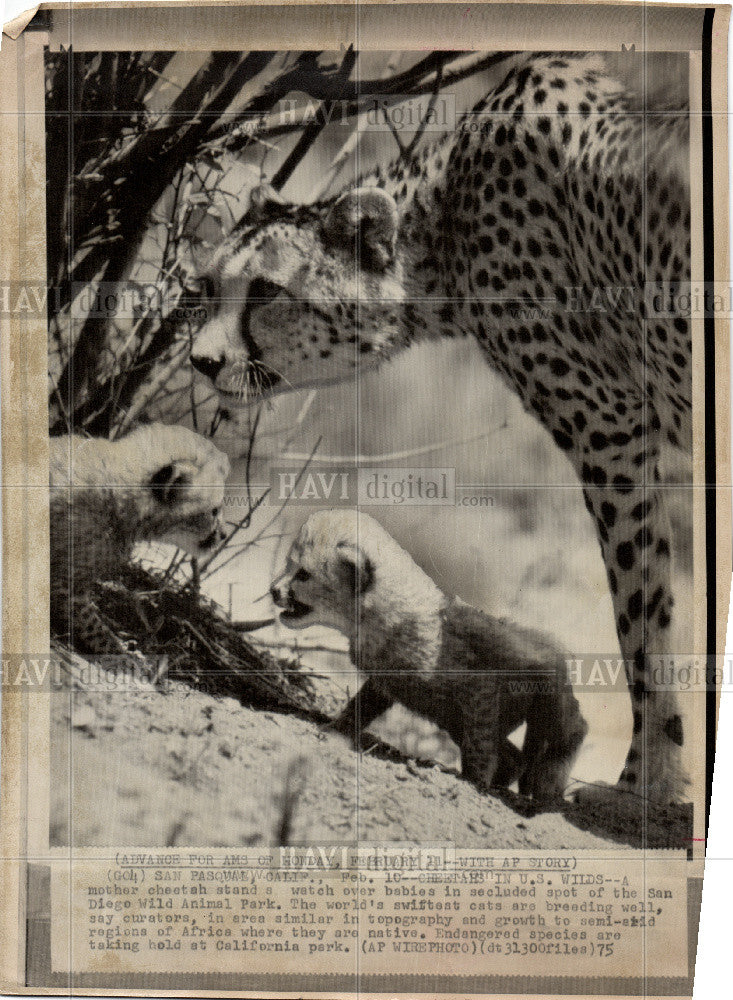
(368, 704)
(479, 762)
(532, 750)
(509, 765)
(548, 763)
(481, 744)
(634, 531)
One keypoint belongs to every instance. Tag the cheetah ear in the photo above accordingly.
(355, 567)
(168, 483)
(366, 218)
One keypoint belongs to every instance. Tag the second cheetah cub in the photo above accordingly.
(475, 676)
(159, 482)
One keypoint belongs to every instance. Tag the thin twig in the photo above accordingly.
(292, 121)
(279, 511)
(314, 127)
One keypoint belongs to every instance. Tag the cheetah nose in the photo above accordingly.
(210, 367)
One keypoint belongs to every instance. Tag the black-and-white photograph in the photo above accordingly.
(370, 402)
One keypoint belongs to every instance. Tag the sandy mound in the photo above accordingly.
(176, 767)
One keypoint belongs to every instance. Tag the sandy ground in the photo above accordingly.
(141, 766)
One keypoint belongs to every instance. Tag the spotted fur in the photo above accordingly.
(535, 233)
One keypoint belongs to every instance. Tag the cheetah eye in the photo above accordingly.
(169, 483)
(262, 291)
(302, 576)
(215, 512)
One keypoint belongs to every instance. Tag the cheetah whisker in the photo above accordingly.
(270, 368)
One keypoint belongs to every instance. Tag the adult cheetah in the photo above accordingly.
(561, 192)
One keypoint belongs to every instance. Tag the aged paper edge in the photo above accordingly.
(15, 462)
(17, 25)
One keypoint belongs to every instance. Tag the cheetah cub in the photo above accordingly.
(476, 676)
(159, 482)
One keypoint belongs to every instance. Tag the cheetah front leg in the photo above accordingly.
(369, 702)
(509, 766)
(481, 743)
(634, 532)
(479, 761)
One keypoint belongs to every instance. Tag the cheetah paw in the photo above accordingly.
(600, 792)
(622, 795)
(342, 727)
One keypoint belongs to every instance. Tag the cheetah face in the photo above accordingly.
(324, 583)
(301, 296)
(198, 534)
(346, 572)
(327, 593)
(182, 503)
(160, 481)
(181, 510)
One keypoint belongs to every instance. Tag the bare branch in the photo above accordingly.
(274, 125)
(314, 128)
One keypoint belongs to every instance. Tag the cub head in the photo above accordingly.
(301, 296)
(181, 501)
(344, 571)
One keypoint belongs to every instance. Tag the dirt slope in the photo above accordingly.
(177, 767)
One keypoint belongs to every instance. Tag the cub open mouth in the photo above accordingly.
(295, 610)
